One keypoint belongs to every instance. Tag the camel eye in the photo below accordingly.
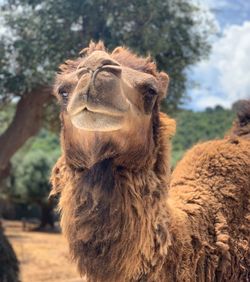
(64, 96)
(64, 93)
(151, 91)
(150, 95)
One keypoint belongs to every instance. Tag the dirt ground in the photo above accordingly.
(42, 256)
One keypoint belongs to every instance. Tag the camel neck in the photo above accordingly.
(115, 217)
(112, 218)
(100, 175)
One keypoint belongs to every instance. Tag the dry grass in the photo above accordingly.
(43, 256)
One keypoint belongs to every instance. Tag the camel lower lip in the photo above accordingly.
(96, 121)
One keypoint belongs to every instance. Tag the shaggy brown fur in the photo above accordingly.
(123, 225)
(117, 223)
(209, 199)
(241, 126)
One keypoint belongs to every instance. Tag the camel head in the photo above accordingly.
(109, 106)
(241, 126)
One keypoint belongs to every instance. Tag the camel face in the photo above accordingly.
(109, 97)
(98, 102)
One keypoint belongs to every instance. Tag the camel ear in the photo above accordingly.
(168, 124)
(57, 178)
(164, 81)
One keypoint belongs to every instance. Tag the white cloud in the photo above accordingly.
(225, 77)
(233, 61)
(207, 99)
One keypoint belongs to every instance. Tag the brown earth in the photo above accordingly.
(42, 256)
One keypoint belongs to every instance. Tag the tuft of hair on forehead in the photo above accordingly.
(121, 54)
(129, 59)
(124, 56)
(71, 65)
(99, 46)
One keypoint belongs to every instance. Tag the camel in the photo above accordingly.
(123, 218)
(241, 126)
(9, 265)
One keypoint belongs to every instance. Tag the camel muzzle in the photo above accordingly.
(98, 100)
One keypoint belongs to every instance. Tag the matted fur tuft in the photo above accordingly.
(99, 46)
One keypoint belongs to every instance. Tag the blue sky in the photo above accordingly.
(224, 77)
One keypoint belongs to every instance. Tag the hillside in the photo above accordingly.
(194, 127)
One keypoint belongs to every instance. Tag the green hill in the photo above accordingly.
(194, 127)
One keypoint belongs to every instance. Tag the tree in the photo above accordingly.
(42, 33)
(29, 179)
(30, 182)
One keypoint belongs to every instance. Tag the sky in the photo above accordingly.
(224, 77)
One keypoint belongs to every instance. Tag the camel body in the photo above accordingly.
(209, 198)
(124, 219)
(125, 226)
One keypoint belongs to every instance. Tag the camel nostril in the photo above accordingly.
(116, 70)
(110, 66)
(82, 71)
(108, 62)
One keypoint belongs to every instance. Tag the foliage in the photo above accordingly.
(6, 115)
(31, 168)
(43, 33)
(194, 127)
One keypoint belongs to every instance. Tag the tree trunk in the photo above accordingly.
(26, 123)
(47, 217)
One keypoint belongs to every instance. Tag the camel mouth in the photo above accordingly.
(99, 109)
(97, 120)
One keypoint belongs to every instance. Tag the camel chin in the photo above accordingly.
(96, 121)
